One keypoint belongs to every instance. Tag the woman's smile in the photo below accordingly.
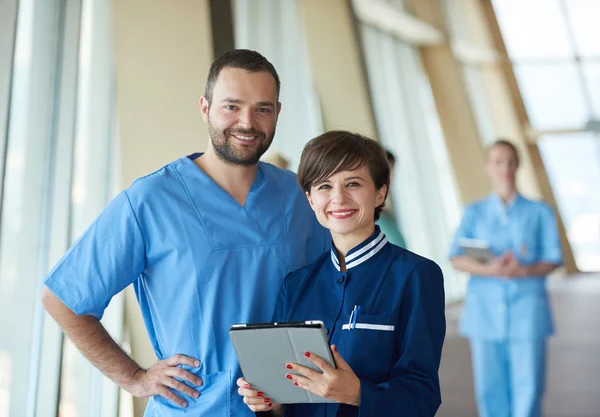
(342, 214)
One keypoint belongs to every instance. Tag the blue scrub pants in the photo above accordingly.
(509, 377)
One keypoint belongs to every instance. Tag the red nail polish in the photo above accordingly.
(267, 400)
(307, 354)
(247, 386)
(295, 383)
(270, 404)
(288, 366)
(288, 376)
(260, 394)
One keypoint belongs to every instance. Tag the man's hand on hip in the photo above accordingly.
(161, 376)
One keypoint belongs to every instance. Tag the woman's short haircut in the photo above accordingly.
(338, 151)
(508, 144)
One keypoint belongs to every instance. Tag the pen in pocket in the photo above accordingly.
(353, 317)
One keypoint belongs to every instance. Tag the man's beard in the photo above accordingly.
(228, 153)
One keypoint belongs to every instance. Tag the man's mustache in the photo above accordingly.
(245, 132)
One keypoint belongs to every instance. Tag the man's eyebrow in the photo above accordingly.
(265, 104)
(238, 101)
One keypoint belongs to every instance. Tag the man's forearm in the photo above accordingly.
(94, 342)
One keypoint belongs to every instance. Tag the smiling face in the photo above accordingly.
(345, 202)
(242, 115)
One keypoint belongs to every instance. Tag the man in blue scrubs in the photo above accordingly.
(507, 315)
(206, 241)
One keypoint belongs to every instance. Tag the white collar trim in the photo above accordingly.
(362, 255)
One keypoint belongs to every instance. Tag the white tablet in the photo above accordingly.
(264, 349)
(477, 249)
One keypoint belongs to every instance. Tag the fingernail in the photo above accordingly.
(295, 383)
(334, 347)
(307, 354)
(197, 363)
(247, 386)
(185, 404)
(196, 394)
(267, 400)
(288, 366)
(260, 394)
(198, 381)
(270, 404)
(288, 376)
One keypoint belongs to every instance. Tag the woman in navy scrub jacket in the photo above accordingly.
(383, 306)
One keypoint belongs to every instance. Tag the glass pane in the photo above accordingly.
(423, 179)
(5, 377)
(397, 4)
(24, 206)
(583, 17)
(452, 12)
(81, 385)
(553, 95)
(479, 103)
(259, 26)
(573, 165)
(592, 78)
(533, 28)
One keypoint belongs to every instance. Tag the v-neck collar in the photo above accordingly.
(362, 252)
(197, 172)
(501, 205)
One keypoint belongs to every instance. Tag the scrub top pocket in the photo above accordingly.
(214, 395)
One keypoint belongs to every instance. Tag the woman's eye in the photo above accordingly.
(324, 187)
(353, 184)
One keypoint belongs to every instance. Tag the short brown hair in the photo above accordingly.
(508, 144)
(245, 59)
(337, 151)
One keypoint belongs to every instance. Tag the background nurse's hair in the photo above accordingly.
(508, 144)
(337, 151)
(244, 59)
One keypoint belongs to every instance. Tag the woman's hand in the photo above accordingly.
(254, 399)
(340, 385)
(507, 266)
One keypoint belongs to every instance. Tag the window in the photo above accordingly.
(60, 108)
(573, 165)
(557, 67)
(553, 94)
(423, 188)
(274, 29)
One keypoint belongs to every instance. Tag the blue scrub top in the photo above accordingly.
(396, 346)
(499, 309)
(199, 263)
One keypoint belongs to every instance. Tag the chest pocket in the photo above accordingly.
(368, 346)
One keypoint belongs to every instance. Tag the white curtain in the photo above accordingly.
(426, 200)
(274, 28)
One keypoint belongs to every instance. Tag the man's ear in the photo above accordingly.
(204, 108)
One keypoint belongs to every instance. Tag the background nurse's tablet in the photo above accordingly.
(477, 249)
